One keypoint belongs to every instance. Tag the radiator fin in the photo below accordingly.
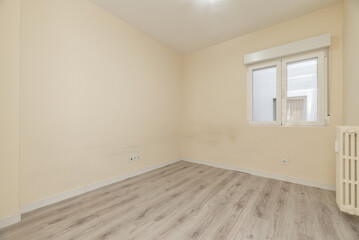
(348, 169)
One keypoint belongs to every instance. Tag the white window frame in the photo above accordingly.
(281, 64)
(278, 93)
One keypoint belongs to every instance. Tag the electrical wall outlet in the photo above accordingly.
(285, 161)
(133, 158)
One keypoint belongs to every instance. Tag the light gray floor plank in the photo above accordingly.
(191, 201)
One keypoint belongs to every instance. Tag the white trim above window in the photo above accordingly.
(307, 45)
(300, 79)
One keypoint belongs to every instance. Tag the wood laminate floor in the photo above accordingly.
(191, 201)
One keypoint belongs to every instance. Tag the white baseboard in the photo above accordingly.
(10, 220)
(63, 196)
(50, 200)
(267, 175)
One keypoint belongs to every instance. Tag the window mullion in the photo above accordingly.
(279, 93)
(284, 92)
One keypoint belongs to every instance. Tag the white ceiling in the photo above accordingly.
(189, 25)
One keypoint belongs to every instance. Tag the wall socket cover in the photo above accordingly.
(285, 161)
(134, 158)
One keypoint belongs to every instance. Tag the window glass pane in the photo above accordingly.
(302, 90)
(264, 94)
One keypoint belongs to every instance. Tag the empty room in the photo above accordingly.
(181, 119)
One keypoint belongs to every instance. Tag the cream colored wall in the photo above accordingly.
(214, 122)
(9, 106)
(93, 91)
(351, 61)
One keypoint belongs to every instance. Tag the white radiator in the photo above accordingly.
(347, 186)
